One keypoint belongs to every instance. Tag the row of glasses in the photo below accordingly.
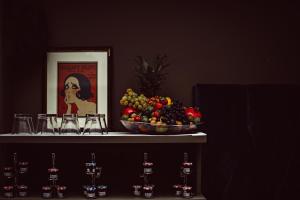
(49, 124)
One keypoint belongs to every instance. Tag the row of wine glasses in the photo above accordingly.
(52, 124)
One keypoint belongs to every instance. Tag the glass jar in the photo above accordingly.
(46, 192)
(23, 167)
(53, 174)
(187, 191)
(137, 190)
(8, 191)
(91, 192)
(8, 172)
(148, 167)
(148, 191)
(187, 167)
(178, 190)
(61, 191)
(22, 190)
(102, 190)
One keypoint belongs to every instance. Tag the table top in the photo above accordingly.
(110, 137)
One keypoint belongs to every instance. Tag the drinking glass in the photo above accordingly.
(54, 121)
(92, 124)
(44, 124)
(22, 124)
(70, 124)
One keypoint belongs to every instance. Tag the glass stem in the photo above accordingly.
(15, 157)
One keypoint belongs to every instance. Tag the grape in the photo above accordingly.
(134, 94)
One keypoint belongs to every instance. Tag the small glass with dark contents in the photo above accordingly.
(90, 168)
(84, 190)
(178, 190)
(98, 172)
(22, 190)
(23, 167)
(91, 192)
(102, 190)
(61, 191)
(148, 191)
(8, 172)
(8, 191)
(187, 191)
(187, 167)
(53, 174)
(46, 192)
(137, 190)
(148, 167)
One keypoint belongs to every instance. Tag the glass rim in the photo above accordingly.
(70, 115)
(95, 115)
(22, 115)
(47, 114)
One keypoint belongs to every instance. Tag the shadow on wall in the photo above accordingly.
(252, 135)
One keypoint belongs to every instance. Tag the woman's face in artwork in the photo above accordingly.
(71, 88)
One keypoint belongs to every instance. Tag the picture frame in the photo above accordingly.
(78, 82)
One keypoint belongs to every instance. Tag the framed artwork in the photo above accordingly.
(78, 82)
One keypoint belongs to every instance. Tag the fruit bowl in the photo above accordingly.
(163, 129)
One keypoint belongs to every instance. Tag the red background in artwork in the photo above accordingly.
(88, 69)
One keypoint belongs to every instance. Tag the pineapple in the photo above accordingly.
(151, 74)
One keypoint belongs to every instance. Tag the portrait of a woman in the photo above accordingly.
(77, 92)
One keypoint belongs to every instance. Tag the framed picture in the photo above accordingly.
(78, 82)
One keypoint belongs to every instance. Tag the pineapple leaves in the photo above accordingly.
(151, 74)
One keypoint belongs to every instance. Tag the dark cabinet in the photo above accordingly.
(252, 150)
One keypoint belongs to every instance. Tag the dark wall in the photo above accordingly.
(1, 74)
(205, 42)
(24, 46)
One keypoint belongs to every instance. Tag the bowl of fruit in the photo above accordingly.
(157, 115)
